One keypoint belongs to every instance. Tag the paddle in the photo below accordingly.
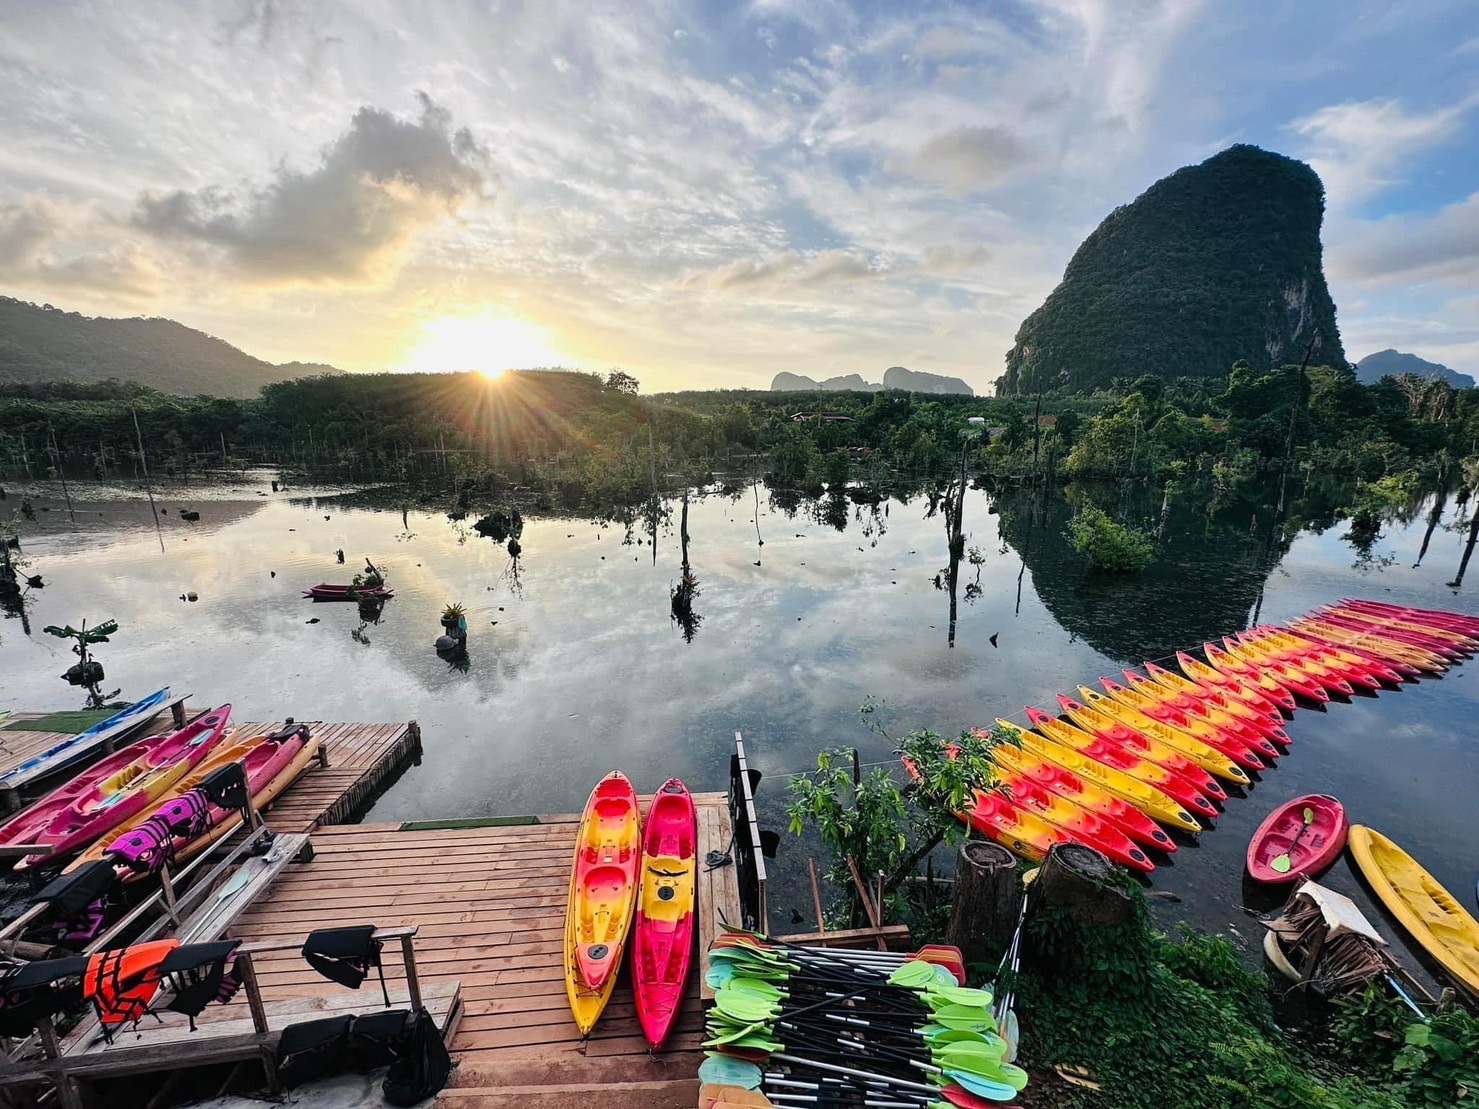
(1282, 863)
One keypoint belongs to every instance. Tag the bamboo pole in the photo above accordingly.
(144, 462)
(56, 460)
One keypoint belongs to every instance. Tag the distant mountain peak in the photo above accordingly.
(45, 343)
(895, 377)
(1390, 363)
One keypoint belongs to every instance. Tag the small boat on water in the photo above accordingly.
(1298, 839)
(325, 592)
(662, 939)
(603, 894)
(1432, 916)
(104, 796)
(68, 752)
(270, 763)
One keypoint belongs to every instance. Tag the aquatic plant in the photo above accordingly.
(1111, 546)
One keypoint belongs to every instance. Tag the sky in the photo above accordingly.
(704, 193)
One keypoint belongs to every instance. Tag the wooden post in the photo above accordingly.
(167, 891)
(413, 983)
(986, 900)
(177, 710)
(253, 992)
(816, 895)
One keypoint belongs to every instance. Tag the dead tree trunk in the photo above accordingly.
(984, 911)
(1077, 880)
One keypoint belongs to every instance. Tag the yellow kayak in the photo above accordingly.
(603, 896)
(1146, 797)
(1208, 758)
(1431, 915)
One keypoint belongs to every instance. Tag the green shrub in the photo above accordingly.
(1109, 545)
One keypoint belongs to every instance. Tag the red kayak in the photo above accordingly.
(1438, 618)
(662, 947)
(1300, 837)
(323, 592)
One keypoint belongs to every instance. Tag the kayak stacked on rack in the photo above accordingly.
(819, 1026)
(632, 881)
(1117, 770)
(113, 791)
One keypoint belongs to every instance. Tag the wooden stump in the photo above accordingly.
(984, 913)
(1077, 880)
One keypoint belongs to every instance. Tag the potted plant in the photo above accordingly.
(453, 616)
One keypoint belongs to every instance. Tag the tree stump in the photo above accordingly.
(984, 913)
(1077, 880)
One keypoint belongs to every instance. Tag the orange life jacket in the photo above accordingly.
(122, 983)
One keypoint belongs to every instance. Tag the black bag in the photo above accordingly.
(422, 1065)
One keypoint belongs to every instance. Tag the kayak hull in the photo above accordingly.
(1431, 915)
(73, 750)
(662, 938)
(1310, 830)
(325, 592)
(603, 894)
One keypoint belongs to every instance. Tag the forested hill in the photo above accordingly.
(41, 343)
(1215, 263)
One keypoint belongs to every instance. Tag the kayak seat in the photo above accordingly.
(31, 991)
(345, 955)
(226, 787)
(198, 975)
(78, 902)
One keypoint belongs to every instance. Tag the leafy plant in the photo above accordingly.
(881, 823)
(1110, 546)
(99, 633)
(1439, 1062)
(454, 612)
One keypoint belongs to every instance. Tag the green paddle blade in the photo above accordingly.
(755, 987)
(958, 995)
(730, 1037)
(1309, 815)
(913, 975)
(988, 1052)
(743, 1007)
(1281, 863)
(964, 1016)
(720, 1070)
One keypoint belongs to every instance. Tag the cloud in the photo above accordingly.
(944, 258)
(967, 159)
(349, 220)
(1441, 246)
(49, 246)
(784, 274)
(1359, 147)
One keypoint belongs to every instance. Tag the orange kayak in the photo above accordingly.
(1370, 648)
(1287, 648)
(1318, 671)
(1017, 765)
(1138, 793)
(1256, 708)
(1290, 677)
(1372, 666)
(1218, 760)
(1228, 663)
(1212, 725)
(1204, 698)
(603, 894)
(1184, 790)
(1019, 831)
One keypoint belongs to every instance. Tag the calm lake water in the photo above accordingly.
(576, 666)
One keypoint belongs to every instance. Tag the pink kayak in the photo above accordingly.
(1299, 838)
(662, 945)
(119, 787)
(324, 592)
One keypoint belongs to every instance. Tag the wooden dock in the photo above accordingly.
(490, 903)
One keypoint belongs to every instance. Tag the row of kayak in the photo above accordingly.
(632, 880)
(93, 815)
(1116, 767)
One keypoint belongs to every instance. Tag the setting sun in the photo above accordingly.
(488, 344)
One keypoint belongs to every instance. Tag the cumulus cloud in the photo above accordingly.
(967, 159)
(785, 273)
(1359, 147)
(352, 217)
(1442, 246)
